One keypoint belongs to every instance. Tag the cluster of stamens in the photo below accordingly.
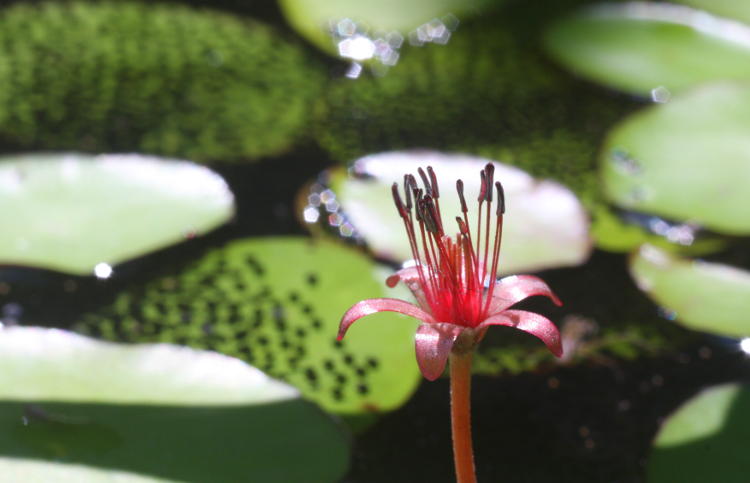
(457, 275)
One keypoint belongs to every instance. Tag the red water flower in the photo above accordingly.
(454, 278)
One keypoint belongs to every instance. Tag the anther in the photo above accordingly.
(429, 215)
(462, 226)
(490, 175)
(500, 198)
(407, 192)
(433, 182)
(397, 199)
(460, 189)
(483, 187)
(425, 182)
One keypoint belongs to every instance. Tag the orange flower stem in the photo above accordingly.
(463, 454)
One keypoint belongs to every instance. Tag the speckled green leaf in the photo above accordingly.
(687, 160)
(313, 18)
(710, 297)
(70, 212)
(545, 224)
(705, 439)
(154, 410)
(639, 47)
(277, 303)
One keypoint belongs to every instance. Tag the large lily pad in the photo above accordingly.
(545, 224)
(160, 410)
(705, 439)
(277, 303)
(71, 212)
(711, 297)
(687, 160)
(651, 48)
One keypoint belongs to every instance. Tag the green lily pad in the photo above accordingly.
(705, 439)
(686, 160)
(159, 410)
(73, 212)
(705, 296)
(650, 48)
(277, 303)
(320, 21)
(545, 224)
(724, 8)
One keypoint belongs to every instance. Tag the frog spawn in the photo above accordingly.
(224, 303)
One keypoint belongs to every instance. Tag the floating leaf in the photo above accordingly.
(686, 160)
(324, 21)
(651, 48)
(704, 296)
(545, 224)
(71, 212)
(277, 303)
(160, 410)
(724, 8)
(705, 439)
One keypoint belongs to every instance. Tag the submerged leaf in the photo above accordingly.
(705, 439)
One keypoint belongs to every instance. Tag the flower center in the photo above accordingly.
(457, 274)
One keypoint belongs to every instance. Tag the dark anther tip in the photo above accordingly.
(500, 198)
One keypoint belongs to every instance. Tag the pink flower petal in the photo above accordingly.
(410, 277)
(511, 290)
(371, 306)
(433, 344)
(535, 324)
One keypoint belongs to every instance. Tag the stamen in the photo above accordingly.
(460, 189)
(433, 182)
(490, 175)
(425, 182)
(399, 204)
(500, 198)
(407, 192)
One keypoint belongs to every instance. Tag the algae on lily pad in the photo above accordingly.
(151, 77)
(705, 439)
(709, 297)
(653, 49)
(687, 160)
(276, 302)
(155, 410)
(72, 212)
(545, 224)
